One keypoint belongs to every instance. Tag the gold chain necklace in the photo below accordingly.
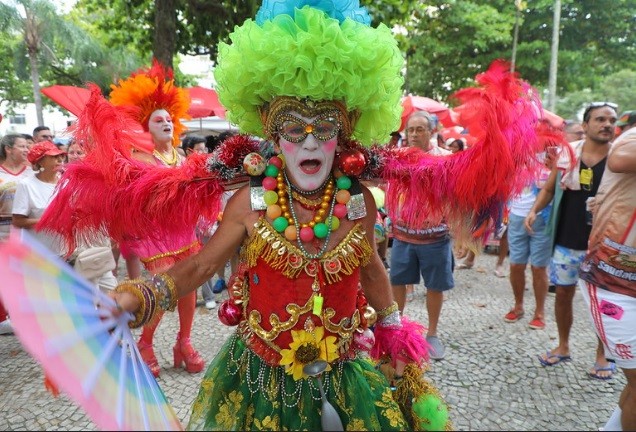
(307, 202)
(165, 160)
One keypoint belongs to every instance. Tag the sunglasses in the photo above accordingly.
(593, 105)
(324, 127)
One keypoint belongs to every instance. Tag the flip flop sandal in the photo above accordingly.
(611, 368)
(553, 359)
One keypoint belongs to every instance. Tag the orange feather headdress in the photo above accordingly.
(148, 90)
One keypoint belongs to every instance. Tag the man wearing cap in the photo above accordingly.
(626, 121)
(34, 193)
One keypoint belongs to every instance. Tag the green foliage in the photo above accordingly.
(619, 88)
(13, 88)
(450, 41)
(595, 40)
(201, 24)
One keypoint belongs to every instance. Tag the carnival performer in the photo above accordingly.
(317, 83)
(151, 97)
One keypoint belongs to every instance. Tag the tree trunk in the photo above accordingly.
(35, 79)
(554, 58)
(515, 39)
(165, 36)
(32, 42)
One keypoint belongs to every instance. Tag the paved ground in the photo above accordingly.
(490, 377)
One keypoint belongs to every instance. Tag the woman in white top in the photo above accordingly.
(13, 153)
(34, 193)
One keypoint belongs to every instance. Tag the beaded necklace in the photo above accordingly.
(280, 195)
(311, 192)
(165, 160)
(309, 204)
(317, 229)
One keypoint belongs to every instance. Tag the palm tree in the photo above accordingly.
(57, 50)
(33, 20)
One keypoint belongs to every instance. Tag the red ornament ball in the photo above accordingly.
(351, 162)
(269, 183)
(363, 341)
(276, 161)
(230, 313)
(340, 210)
(306, 234)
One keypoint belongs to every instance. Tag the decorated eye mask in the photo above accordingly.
(324, 127)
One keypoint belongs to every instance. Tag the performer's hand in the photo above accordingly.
(126, 302)
(529, 221)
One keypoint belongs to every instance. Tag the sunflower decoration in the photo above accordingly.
(307, 347)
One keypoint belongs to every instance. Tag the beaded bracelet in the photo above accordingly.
(167, 291)
(392, 320)
(150, 296)
(383, 313)
(146, 298)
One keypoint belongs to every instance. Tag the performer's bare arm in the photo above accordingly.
(373, 277)
(622, 157)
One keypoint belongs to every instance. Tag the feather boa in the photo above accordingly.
(469, 187)
(113, 194)
(405, 343)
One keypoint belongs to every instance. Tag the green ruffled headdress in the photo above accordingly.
(322, 50)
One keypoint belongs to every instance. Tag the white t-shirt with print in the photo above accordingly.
(8, 184)
(32, 197)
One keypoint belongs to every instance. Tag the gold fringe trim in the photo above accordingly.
(170, 253)
(413, 385)
(280, 254)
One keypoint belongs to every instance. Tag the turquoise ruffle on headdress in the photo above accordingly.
(335, 9)
(309, 54)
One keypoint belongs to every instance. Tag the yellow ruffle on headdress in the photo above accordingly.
(321, 55)
(148, 90)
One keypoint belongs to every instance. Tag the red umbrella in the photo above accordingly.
(410, 104)
(204, 103)
(71, 98)
(458, 132)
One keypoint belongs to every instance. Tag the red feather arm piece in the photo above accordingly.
(405, 342)
(468, 187)
(111, 193)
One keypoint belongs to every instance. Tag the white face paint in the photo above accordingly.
(160, 126)
(309, 162)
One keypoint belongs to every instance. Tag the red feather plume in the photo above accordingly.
(469, 186)
(111, 193)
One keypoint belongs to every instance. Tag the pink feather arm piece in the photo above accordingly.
(406, 343)
(467, 187)
(110, 193)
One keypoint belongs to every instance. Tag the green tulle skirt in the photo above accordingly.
(241, 392)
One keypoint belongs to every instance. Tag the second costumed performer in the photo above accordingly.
(308, 82)
(151, 98)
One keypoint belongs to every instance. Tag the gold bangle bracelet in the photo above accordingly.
(133, 287)
(383, 313)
